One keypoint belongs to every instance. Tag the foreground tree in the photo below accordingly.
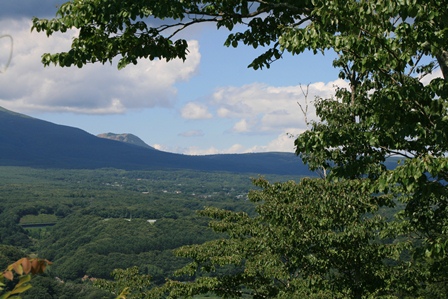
(313, 239)
(111, 28)
(127, 284)
(386, 50)
(388, 111)
(23, 268)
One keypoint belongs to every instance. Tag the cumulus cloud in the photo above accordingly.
(241, 126)
(283, 142)
(191, 150)
(192, 133)
(94, 89)
(262, 108)
(282, 112)
(196, 151)
(435, 74)
(194, 110)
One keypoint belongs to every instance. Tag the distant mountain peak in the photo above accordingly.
(31, 142)
(12, 113)
(125, 137)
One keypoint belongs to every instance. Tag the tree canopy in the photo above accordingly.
(310, 239)
(387, 51)
(132, 29)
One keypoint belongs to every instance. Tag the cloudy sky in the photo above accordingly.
(211, 103)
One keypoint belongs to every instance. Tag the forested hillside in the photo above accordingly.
(328, 237)
(108, 219)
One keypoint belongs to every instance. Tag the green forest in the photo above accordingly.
(90, 222)
(360, 229)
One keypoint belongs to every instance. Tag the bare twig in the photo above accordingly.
(305, 110)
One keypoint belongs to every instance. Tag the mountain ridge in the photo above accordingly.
(126, 138)
(28, 141)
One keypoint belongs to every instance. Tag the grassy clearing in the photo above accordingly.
(38, 219)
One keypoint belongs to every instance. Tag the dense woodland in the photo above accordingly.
(104, 220)
(361, 230)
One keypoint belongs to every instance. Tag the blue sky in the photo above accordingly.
(210, 104)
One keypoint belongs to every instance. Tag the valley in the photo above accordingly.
(105, 219)
(92, 204)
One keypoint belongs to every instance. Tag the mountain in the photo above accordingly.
(125, 137)
(27, 141)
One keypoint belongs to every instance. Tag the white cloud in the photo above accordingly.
(94, 89)
(159, 147)
(195, 111)
(194, 150)
(262, 108)
(192, 133)
(436, 74)
(283, 142)
(241, 126)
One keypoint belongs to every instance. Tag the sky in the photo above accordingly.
(209, 104)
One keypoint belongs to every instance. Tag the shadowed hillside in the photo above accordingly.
(27, 141)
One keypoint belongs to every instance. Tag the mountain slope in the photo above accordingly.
(125, 137)
(27, 141)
